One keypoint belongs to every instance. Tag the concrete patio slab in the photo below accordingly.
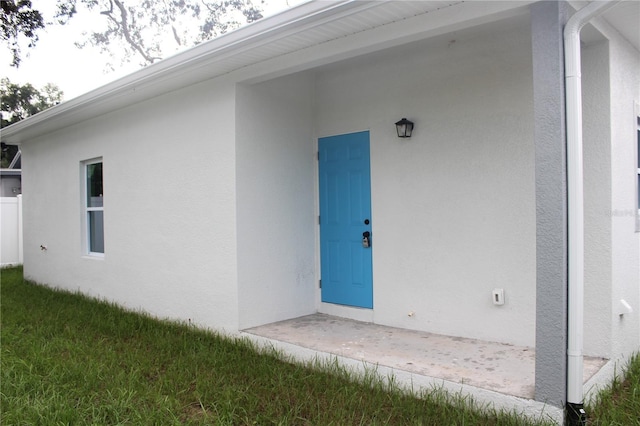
(497, 367)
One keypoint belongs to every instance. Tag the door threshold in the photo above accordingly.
(349, 312)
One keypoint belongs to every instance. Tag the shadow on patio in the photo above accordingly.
(497, 367)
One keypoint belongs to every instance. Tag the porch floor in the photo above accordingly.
(498, 367)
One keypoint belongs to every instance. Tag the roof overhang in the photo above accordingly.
(623, 17)
(310, 35)
(10, 172)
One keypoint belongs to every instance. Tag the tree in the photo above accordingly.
(21, 101)
(149, 29)
(7, 155)
(146, 29)
(19, 19)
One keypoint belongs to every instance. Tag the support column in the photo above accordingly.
(547, 23)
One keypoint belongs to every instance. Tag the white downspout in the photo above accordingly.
(573, 87)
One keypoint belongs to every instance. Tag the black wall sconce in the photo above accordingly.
(404, 128)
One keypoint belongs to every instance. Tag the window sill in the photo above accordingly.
(94, 256)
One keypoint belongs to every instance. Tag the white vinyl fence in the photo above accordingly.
(10, 230)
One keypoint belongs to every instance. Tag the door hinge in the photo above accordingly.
(318, 220)
(318, 156)
(319, 283)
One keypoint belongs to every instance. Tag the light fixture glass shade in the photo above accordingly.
(404, 128)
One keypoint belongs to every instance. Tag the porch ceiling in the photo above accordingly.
(366, 16)
(624, 17)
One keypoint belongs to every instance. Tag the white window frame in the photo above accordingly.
(86, 210)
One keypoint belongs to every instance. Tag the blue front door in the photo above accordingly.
(345, 217)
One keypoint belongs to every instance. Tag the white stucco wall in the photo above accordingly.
(597, 199)
(625, 92)
(622, 333)
(453, 208)
(276, 200)
(169, 201)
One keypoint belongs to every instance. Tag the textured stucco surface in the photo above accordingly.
(170, 243)
(453, 208)
(276, 200)
(625, 248)
(597, 198)
(547, 21)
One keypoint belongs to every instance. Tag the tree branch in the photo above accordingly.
(127, 35)
(175, 35)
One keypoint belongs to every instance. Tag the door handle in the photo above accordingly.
(366, 239)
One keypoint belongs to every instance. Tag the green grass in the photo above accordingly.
(619, 403)
(68, 359)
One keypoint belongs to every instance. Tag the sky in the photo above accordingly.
(56, 59)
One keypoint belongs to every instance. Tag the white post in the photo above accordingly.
(575, 312)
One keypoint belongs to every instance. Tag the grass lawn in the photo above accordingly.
(619, 404)
(67, 359)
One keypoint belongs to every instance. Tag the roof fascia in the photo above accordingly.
(123, 91)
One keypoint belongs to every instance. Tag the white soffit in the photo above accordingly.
(625, 17)
(311, 34)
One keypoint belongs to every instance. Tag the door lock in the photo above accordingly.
(366, 239)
